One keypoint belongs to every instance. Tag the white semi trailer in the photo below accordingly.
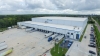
(59, 37)
(3, 45)
(28, 29)
(48, 34)
(53, 36)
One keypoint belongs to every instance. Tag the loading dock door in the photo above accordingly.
(77, 36)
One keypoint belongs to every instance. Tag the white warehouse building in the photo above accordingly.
(71, 27)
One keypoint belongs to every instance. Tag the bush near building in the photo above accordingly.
(83, 34)
(2, 29)
(91, 22)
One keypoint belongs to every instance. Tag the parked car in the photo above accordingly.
(92, 52)
(91, 34)
(92, 42)
(92, 46)
(92, 38)
(84, 36)
(68, 46)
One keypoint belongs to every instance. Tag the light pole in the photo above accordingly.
(54, 44)
(62, 47)
(58, 48)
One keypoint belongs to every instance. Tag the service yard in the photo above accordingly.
(82, 48)
(25, 43)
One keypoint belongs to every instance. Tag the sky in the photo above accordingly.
(49, 6)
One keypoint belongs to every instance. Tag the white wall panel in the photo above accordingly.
(45, 27)
(39, 26)
(60, 30)
(33, 19)
(67, 23)
(61, 22)
(57, 30)
(54, 29)
(48, 28)
(42, 27)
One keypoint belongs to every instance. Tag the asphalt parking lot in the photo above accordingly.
(86, 41)
(24, 43)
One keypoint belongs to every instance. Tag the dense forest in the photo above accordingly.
(10, 20)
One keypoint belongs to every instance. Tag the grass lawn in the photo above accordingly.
(97, 33)
(2, 29)
(83, 34)
(62, 51)
(98, 21)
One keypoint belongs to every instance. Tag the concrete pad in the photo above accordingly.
(24, 43)
(76, 50)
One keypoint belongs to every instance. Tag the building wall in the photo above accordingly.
(61, 22)
(83, 26)
(72, 33)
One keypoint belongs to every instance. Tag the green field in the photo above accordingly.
(62, 51)
(97, 33)
(98, 21)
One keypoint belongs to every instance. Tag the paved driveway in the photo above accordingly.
(81, 48)
(86, 42)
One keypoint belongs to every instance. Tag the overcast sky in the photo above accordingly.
(49, 6)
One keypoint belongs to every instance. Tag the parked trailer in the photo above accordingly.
(28, 29)
(59, 37)
(52, 37)
(6, 52)
(49, 34)
(3, 45)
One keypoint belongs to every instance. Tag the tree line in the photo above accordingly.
(10, 20)
(97, 18)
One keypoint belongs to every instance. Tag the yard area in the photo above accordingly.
(25, 43)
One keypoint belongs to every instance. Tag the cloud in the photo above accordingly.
(49, 6)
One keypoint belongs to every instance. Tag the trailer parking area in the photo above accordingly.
(25, 43)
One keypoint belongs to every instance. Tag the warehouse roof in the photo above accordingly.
(54, 25)
(66, 18)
